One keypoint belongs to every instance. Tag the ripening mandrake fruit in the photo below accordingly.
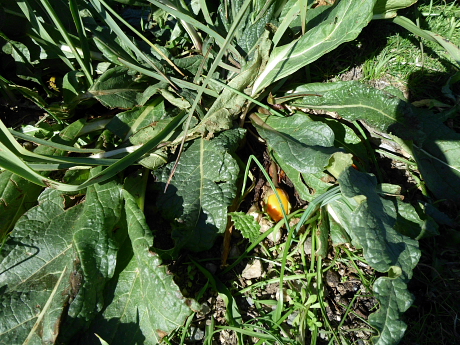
(273, 206)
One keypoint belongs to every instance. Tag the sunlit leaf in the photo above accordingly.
(201, 189)
(341, 23)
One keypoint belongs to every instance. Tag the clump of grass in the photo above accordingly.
(410, 61)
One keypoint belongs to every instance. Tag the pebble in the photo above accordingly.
(307, 246)
(212, 268)
(234, 252)
(253, 270)
(250, 301)
(332, 278)
(197, 334)
(286, 297)
(291, 318)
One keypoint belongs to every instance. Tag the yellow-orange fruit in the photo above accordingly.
(273, 206)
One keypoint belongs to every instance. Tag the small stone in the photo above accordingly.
(212, 268)
(197, 334)
(291, 318)
(307, 246)
(286, 297)
(234, 252)
(332, 278)
(265, 225)
(253, 270)
(205, 308)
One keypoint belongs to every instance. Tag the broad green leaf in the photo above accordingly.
(394, 299)
(254, 25)
(438, 159)
(202, 188)
(67, 136)
(147, 133)
(146, 304)
(118, 88)
(42, 130)
(309, 186)
(42, 251)
(247, 225)
(435, 148)
(339, 163)
(356, 101)
(96, 247)
(409, 223)
(438, 216)
(373, 224)
(384, 9)
(302, 129)
(370, 220)
(190, 64)
(166, 307)
(345, 137)
(338, 234)
(178, 102)
(303, 144)
(140, 125)
(128, 122)
(17, 195)
(73, 85)
(155, 159)
(342, 23)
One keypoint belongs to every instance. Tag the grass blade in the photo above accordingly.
(214, 65)
(142, 37)
(287, 20)
(182, 83)
(451, 48)
(114, 26)
(11, 161)
(42, 32)
(219, 39)
(63, 31)
(83, 39)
